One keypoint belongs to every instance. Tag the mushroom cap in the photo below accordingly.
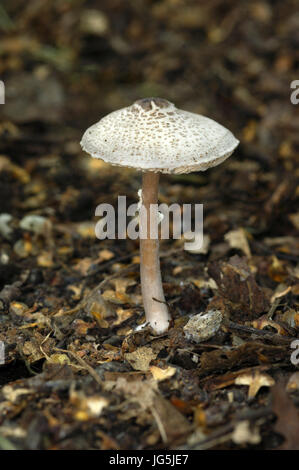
(153, 135)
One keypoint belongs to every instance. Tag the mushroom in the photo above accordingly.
(153, 136)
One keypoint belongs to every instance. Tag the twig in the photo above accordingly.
(266, 334)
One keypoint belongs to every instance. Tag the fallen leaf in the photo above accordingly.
(264, 321)
(162, 374)
(83, 265)
(277, 270)
(287, 414)
(238, 239)
(293, 382)
(87, 407)
(121, 284)
(236, 284)
(12, 394)
(294, 218)
(141, 358)
(59, 359)
(45, 259)
(245, 433)
(171, 423)
(105, 255)
(116, 297)
(254, 380)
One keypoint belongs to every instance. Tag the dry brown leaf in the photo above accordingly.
(141, 358)
(294, 218)
(249, 352)
(105, 255)
(116, 297)
(12, 394)
(122, 315)
(254, 380)
(264, 321)
(290, 317)
(162, 374)
(86, 229)
(45, 259)
(59, 359)
(238, 239)
(142, 392)
(237, 285)
(287, 414)
(121, 284)
(87, 407)
(171, 423)
(245, 433)
(83, 265)
(293, 382)
(277, 270)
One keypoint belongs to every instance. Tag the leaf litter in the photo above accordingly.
(79, 371)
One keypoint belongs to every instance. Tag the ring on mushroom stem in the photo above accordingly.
(154, 136)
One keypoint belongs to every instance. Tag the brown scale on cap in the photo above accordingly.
(147, 103)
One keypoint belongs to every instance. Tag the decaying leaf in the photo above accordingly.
(264, 322)
(293, 382)
(45, 259)
(171, 423)
(290, 317)
(12, 394)
(277, 270)
(162, 374)
(59, 359)
(105, 255)
(87, 407)
(98, 307)
(237, 285)
(287, 414)
(83, 265)
(121, 284)
(141, 358)
(225, 380)
(142, 392)
(255, 380)
(245, 433)
(118, 298)
(238, 239)
(253, 352)
(294, 218)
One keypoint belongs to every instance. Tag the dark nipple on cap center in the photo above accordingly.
(146, 103)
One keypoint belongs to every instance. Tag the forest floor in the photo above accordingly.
(77, 374)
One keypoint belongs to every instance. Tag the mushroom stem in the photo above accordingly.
(156, 311)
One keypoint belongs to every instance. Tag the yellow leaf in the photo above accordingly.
(162, 374)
